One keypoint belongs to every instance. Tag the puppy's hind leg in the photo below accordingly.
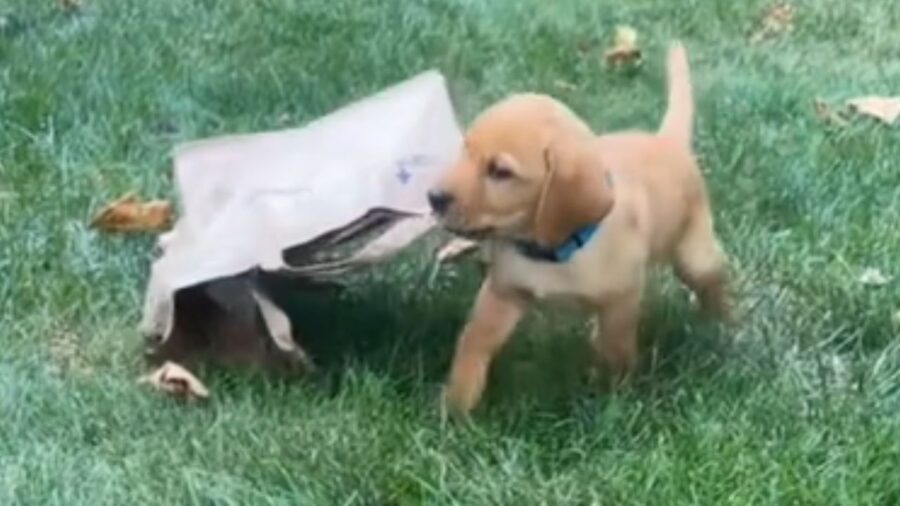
(701, 265)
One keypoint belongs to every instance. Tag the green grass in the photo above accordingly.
(798, 405)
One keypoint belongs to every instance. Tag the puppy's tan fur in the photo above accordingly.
(532, 170)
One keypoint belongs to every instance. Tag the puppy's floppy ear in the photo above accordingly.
(577, 192)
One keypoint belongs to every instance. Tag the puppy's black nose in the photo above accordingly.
(439, 200)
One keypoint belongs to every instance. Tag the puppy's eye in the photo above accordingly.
(498, 172)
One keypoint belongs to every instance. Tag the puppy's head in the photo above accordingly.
(526, 172)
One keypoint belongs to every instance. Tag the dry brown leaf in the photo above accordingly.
(177, 381)
(583, 46)
(624, 50)
(128, 214)
(66, 355)
(873, 277)
(777, 18)
(70, 5)
(564, 85)
(886, 109)
(455, 248)
(826, 114)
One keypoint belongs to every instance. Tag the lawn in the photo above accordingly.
(798, 404)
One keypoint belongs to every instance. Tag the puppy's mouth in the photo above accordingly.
(483, 227)
(474, 234)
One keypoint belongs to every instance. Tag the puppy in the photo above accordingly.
(565, 214)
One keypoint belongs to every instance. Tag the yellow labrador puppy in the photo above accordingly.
(564, 213)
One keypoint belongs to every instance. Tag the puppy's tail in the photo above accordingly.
(678, 122)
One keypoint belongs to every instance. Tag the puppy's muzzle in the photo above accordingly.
(440, 201)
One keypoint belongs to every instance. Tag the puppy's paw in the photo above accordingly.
(725, 311)
(453, 406)
(595, 380)
(603, 381)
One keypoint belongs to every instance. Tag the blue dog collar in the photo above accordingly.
(565, 251)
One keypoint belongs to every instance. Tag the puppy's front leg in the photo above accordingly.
(492, 321)
(615, 338)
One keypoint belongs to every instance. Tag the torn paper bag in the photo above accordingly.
(307, 204)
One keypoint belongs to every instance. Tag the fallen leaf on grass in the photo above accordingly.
(70, 5)
(177, 381)
(624, 50)
(873, 277)
(456, 248)
(127, 214)
(583, 46)
(66, 354)
(564, 85)
(886, 109)
(777, 18)
(896, 318)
